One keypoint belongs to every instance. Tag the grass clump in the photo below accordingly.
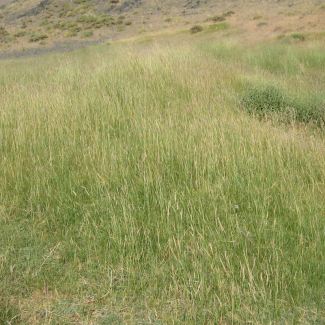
(21, 34)
(37, 37)
(217, 19)
(298, 37)
(88, 33)
(219, 27)
(262, 23)
(3, 32)
(263, 100)
(196, 29)
(273, 101)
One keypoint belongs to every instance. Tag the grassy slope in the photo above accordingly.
(133, 190)
(36, 24)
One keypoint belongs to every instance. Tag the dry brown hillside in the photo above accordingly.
(37, 24)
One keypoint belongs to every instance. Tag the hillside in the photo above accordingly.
(62, 24)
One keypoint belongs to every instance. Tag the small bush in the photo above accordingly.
(168, 20)
(257, 17)
(196, 29)
(267, 100)
(262, 23)
(3, 32)
(298, 37)
(71, 34)
(228, 13)
(88, 33)
(120, 28)
(128, 23)
(217, 19)
(261, 100)
(114, 1)
(20, 34)
(219, 27)
(37, 37)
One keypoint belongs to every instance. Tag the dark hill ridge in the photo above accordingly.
(33, 24)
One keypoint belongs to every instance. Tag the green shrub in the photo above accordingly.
(219, 27)
(88, 33)
(228, 13)
(257, 17)
(266, 100)
(299, 37)
(20, 34)
(79, 1)
(217, 19)
(37, 37)
(128, 23)
(3, 32)
(71, 34)
(196, 29)
(120, 28)
(114, 1)
(168, 20)
(262, 23)
(261, 100)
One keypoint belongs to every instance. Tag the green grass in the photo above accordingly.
(136, 189)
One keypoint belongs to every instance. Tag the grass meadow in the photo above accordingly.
(139, 185)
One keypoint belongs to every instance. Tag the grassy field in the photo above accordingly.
(164, 182)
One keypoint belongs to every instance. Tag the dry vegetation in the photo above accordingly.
(174, 181)
(31, 23)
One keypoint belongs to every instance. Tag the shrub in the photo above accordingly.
(299, 37)
(71, 34)
(114, 1)
(267, 100)
(228, 13)
(168, 20)
(262, 23)
(257, 17)
(196, 29)
(88, 33)
(217, 19)
(20, 34)
(261, 100)
(219, 27)
(120, 28)
(128, 23)
(3, 32)
(37, 37)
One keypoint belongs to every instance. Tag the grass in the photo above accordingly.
(135, 189)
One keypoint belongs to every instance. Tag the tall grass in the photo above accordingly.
(134, 191)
